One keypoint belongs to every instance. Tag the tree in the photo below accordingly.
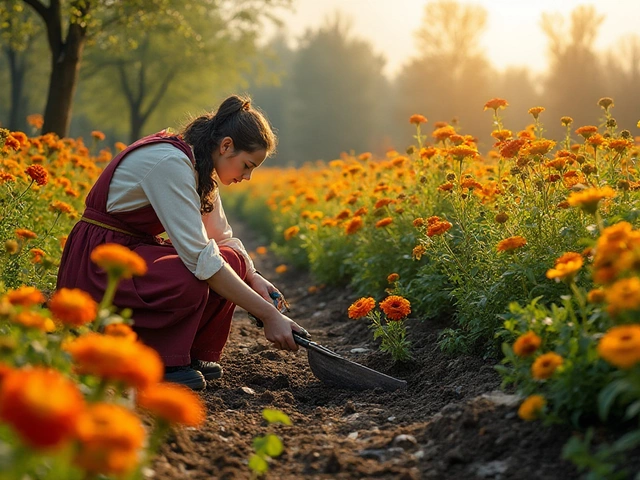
(450, 77)
(18, 31)
(337, 85)
(73, 24)
(575, 80)
(623, 77)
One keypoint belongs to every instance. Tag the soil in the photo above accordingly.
(452, 421)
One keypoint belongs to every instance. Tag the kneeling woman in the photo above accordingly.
(167, 183)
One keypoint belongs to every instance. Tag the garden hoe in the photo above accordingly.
(333, 369)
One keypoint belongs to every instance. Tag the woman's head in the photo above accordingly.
(234, 137)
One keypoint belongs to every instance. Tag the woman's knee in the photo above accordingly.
(235, 260)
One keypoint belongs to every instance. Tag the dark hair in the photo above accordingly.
(237, 119)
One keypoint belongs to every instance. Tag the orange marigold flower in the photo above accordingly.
(418, 251)
(37, 254)
(25, 296)
(624, 295)
(596, 140)
(281, 268)
(118, 260)
(37, 158)
(526, 344)
(110, 438)
(383, 202)
(41, 405)
(418, 222)
(470, 183)
(620, 346)
(34, 320)
(511, 243)
(291, 232)
(346, 213)
(545, 365)
(98, 135)
(446, 187)
(531, 408)
(393, 277)
(384, 222)
(60, 207)
(120, 146)
(35, 120)
(120, 330)
(417, 119)
(262, 250)
(174, 403)
(566, 121)
(73, 307)
(606, 102)
(597, 295)
(463, 151)
(442, 133)
(438, 228)
(11, 142)
(395, 307)
(25, 234)
(536, 111)
(589, 198)
(586, 131)
(495, 104)
(116, 359)
(7, 177)
(363, 157)
(512, 147)
(361, 307)
(354, 225)
(361, 211)
(566, 267)
(501, 135)
(38, 174)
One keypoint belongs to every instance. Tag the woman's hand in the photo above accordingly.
(278, 328)
(262, 286)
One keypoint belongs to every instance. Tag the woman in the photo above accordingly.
(183, 306)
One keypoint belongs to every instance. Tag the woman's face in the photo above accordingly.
(235, 166)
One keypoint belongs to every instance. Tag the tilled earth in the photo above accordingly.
(452, 421)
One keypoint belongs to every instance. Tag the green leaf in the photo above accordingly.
(608, 395)
(627, 442)
(273, 446)
(258, 464)
(275, 416)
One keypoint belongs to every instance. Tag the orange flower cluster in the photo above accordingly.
(291, 232)
(73, 307)
(589, 198)
(38, 174)
(545, 365)
(532, 407)
(510, 244)
(620, 346)
(417, 119)
(566, 267)
(355, 224)
(526, 344)
(173, 403)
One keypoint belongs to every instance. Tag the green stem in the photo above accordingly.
(110, 292)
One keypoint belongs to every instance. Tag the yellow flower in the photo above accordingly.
(526, 344)
(118, 260)
(73, 306)
(176, 404)
(418, 251)
(120, 330)
(566, 267)
(536, 111)
(417, 119)
(495, 104)
(545, 365)
(361, 307)
(589, 198)
(531, 408)
(620, 346)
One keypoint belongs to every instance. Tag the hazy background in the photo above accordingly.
(342, 75)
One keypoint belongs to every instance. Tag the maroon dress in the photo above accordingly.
(173, 311)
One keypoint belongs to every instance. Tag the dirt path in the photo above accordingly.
(451, 422)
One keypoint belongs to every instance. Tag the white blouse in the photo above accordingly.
(162, 176)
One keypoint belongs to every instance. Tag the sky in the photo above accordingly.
(513, 36)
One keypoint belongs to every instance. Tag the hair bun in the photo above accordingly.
(246, 105)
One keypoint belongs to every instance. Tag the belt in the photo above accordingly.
(109, 227)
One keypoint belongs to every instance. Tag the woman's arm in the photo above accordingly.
(277, 327)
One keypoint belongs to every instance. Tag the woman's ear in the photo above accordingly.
(226, 145)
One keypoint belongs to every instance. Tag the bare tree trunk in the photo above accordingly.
(62, 85)
(17, 73)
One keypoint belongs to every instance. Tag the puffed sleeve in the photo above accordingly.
(170, 187)
(218, 228)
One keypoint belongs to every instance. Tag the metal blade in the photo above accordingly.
(337, 371)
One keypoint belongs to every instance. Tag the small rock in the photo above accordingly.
(349, 407)
(381, 455)
(248, 390)
(492, 469)
(391, 418)
(360, 350)
(352, 435)
(404, 441)
(455, 455)
(419, 455)
(148, 472)
(500, 398)
(352, 417)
